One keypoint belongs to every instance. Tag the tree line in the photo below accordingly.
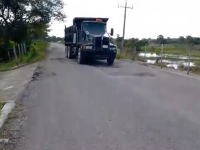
(138, 43)
(26, 20)
(55, 39)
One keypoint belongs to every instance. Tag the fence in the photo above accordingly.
(184, 57)
(14, 52)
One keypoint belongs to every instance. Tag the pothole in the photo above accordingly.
(144, 74)
(37, 73)
(62, 60)
(133, 74)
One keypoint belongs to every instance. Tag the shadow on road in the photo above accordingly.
(90, 62)
(101, 63)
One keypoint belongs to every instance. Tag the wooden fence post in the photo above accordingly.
(8, 54)
(24, 47)
(14, 50)
(19, 50)
(161, 55)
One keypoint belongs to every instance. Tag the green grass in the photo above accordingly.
(121, 56)
(194, 69)
(174, 50)
(7, 66)
(133, 57)
(160, 65)
(37, 52)
(1, 105)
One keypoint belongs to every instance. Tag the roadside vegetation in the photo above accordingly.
(135, 57)
(36, 53)
(23, 23)
(1, 105)
(175, 51)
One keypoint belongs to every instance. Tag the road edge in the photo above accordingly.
(10, 105)
(165, 69)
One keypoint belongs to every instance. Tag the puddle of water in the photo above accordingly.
(175, 66)
(151, 61)
(181, 60)
(172, 64)
(148, 55)
(154, 55)
(191, 64)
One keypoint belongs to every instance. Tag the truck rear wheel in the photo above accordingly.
(69, 52)
(66, 51)
(110, 61)
(80, 57)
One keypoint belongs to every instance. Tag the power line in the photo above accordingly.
(124, 27)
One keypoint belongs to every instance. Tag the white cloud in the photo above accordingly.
(149, 18)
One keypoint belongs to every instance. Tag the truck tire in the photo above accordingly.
(80, 57)
(66, 51)
(69, 52)
(110, 61)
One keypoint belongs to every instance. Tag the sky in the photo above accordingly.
(147, 19)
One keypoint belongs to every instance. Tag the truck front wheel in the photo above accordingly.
(80, 57)
(110, 61)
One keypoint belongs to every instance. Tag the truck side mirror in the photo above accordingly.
(112, 32)
(74, 29)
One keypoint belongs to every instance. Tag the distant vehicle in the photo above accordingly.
(88, 38)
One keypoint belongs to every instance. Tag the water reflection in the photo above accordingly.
(171, 61)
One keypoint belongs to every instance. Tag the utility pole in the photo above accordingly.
(124, 27)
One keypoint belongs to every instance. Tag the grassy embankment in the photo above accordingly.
(36, 53)
(172, 50)
(131, 56)
(179, 51)
(1, 105)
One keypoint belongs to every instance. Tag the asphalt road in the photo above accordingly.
(124, 107)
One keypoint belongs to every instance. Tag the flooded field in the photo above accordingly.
(170, 60)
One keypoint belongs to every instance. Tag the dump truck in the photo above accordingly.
(88, 38)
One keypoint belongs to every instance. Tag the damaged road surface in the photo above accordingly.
(126, 106)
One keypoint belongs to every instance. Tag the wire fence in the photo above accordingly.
(184, 57)
(14, 52)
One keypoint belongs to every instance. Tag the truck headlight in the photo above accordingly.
(112, 48)
(88, 47)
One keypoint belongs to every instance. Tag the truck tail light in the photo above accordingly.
(87, 47)
(84, 47)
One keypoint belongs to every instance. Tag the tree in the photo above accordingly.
(28, 17)
(160, 39)
(181, 39)
(118, 41)
(189, 39)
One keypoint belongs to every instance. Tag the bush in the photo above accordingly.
(121, 56)
(36, 53)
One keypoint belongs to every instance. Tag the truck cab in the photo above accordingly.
(88, 38)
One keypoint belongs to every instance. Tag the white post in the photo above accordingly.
(19, 50)
(8, 55)
(188, 70)
(14, 50)
(161, 55)
(135, 51)
(24, 47)
(145, 50)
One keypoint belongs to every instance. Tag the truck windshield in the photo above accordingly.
(94, 28)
